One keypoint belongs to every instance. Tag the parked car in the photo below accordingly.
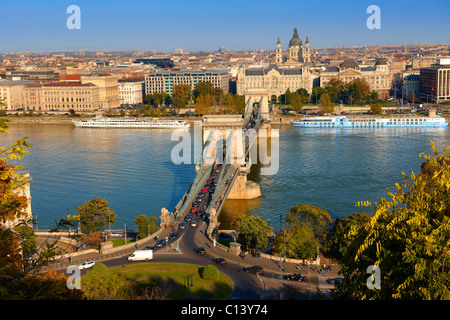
(86, 265)
(254, 269)
(116, 234)
(294, 277)
(194, 224)
(200, 250)
(219, 261)
(161, 243)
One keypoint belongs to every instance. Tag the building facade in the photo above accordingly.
(274, 80)
(435, 82)
(61, 96)
(131, 91)
(165, 81)
(11, 93)
(379, 76)
(108, 89)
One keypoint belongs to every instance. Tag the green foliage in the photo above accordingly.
(311, 216)
(299, 243)
(146, 225)
(103, 284)
(95, 215)
(339, 242)
(209, 272)
(253, 231)
(408, 238)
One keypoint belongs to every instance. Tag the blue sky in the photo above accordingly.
(32, 25)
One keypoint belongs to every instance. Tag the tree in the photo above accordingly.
(146, 225)
(339, 242)
(103, 284)
(407, 238)
(325, 104)
(181, 94)
(203, 88)
(297, 102)
(376, 108)
(253, 231)
(298, 241)
(316, 94)
(95, 215)
(311, 216)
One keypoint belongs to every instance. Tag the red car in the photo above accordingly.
(194, 209)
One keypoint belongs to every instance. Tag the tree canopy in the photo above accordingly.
(408, 239)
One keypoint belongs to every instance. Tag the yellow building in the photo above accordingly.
(61, 96)
(108, 89)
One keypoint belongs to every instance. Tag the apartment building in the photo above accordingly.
(435, 82)
(165, 81)
(131, 91)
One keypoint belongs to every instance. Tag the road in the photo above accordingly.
(245, 286)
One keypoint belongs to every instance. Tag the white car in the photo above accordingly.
(194, 224)
(86, 265)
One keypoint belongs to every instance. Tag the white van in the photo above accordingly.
(141, 255)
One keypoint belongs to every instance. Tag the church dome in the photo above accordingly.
(381, 61)
(349, 64)
(295, 41)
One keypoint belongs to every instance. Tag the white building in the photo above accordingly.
(131, 91)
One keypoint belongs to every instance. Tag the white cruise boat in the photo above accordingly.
(381, 122)
(100, 122)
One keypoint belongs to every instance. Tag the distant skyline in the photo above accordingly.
(202, 25)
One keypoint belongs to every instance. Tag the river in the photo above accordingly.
(132, 169)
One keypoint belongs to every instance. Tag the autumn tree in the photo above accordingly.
(95, 215)
(376, 108)
(407, 239)
(325, 104)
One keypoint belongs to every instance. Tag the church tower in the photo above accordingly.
(307, 52)
(279, 53)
